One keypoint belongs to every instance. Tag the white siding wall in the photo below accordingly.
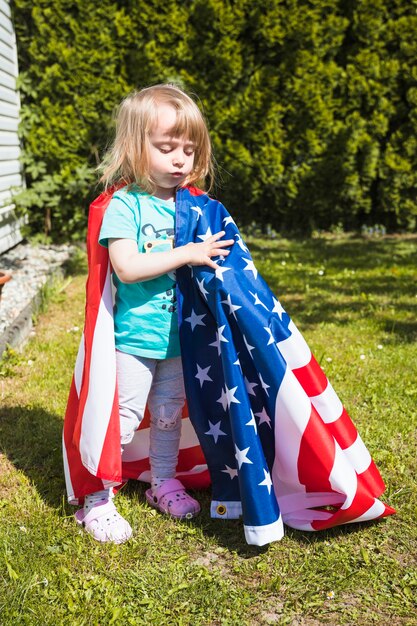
(10, 169)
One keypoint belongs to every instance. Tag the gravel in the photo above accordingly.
(31, 266)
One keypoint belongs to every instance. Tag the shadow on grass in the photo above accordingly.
(229, 534)
(31, 440)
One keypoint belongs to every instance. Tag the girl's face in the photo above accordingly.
(171, 159)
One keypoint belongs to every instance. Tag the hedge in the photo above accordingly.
(312, 105)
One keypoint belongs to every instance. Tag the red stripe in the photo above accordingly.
(372, 480)
(343, 430)
(194, 191)
(311, 377)
(316, 455)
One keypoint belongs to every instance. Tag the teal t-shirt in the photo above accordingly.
(145, 313)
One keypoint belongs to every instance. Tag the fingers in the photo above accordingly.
(219, 235)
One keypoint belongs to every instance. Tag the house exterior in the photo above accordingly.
(10, 167)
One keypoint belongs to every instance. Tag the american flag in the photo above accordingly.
(278, 444)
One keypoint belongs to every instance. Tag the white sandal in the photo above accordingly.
(104, 523)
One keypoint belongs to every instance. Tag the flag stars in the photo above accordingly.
(231, 471)
(201, 287)
(249, 387)
(207, 235)
(240, 243)
(271, 337)
(249, 348)
(252, 422)
(198, 210)
(202, 374)
(257, 301)
(250, 267)
(278, 308)
(265, 387)
(220, 271)
(264, 417)
(228, 220)
(228, 397)
(195, 320)
(215, 431)
(219, 339)
(232, 307)
(241, 456)
(267, 482)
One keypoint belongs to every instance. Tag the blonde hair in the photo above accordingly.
(127, 161)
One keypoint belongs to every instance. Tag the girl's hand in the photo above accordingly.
(201, 253)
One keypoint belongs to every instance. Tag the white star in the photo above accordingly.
(206, 236)
(267, 482)
(220, 271)
(241, 456)
(228, 397)
(237, 362)
(249, 387)
(200, 284)
(232, 307)
(219, 338)
(257, 301)
(278, 308)
(265, 387)
(248, 347)
(198, 210)
(250, 267)
(228, 220)
(202, 374)
(252, 422)
(241, 244)
(215, 431)
(264, 417)
(195, 320)
(232, 472)
(271, 338)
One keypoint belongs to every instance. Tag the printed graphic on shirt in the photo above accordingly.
(160, 240)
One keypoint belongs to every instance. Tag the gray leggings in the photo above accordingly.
(159, 384)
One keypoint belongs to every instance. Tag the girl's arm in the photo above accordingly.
(132, 266)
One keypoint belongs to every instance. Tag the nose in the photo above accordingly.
(178, 158)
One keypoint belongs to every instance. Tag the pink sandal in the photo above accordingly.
(104, 523)
(171, 498)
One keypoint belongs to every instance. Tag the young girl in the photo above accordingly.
(161, 143)
(274, 436)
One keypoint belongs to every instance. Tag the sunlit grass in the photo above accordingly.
(355, 301)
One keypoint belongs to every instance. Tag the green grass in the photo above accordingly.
(355, 302)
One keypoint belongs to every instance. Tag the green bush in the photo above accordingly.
(312, 104)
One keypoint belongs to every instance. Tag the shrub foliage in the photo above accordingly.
(312, 104)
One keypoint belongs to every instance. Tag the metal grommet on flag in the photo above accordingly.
(221, 509)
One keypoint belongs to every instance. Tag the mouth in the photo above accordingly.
(177, 174)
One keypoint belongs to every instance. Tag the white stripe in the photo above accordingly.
(358, 455)
(328, 405)
(343, 477)
(79, 366)
(295, 349)
(102, 384)
(232, 509)
(260, 535)
(297, 503)
(138, 448)
(70, 489)
(376, 510)
(292, 414)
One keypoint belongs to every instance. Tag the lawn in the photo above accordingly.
(355, 301)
